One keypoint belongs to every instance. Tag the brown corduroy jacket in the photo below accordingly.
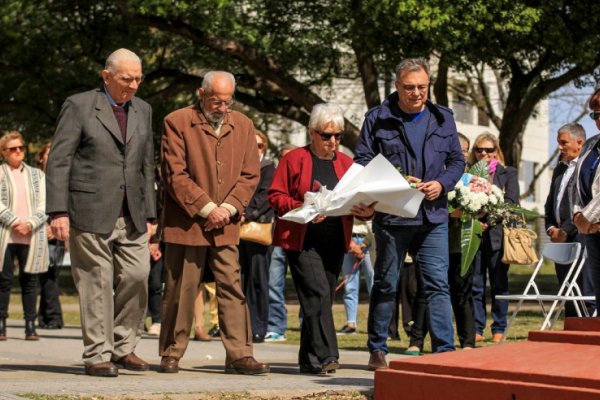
(200, 167)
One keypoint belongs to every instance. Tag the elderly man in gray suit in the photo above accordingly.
(100, 181)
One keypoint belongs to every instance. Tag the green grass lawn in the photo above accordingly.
(530, 318)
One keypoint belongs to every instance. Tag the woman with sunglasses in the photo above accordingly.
(487, 261)
(22, 229)
(315, 251)
(254, 258)
(586, 199)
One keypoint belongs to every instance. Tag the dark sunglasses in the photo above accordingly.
(16, 149)
(261, 145)
(594, 115)
(327, 136)
(488, 150)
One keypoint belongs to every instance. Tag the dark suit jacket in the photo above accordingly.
(507, 179)
(565, 209)
(259, 208)
(90, 169)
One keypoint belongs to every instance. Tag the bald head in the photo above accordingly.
(216, 95)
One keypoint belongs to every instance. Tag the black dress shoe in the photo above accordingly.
(312, 370)
(258, 338)
(215, 331)
(30, 333)
(105, 368)
(2, 328)
(50, 325)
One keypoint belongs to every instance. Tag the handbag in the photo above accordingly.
(518, 246)
(257, 232)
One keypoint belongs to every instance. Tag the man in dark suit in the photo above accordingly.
(559, 210)
(100, 182)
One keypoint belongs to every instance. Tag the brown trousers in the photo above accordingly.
(184, 266)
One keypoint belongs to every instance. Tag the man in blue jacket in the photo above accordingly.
(420, 139)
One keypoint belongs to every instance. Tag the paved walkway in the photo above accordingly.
(53, 366)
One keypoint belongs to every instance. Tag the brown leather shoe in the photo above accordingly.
(169, 365)
(377, 361)
(105, 368)
(247, 366)
(132, 363)
(202, 336)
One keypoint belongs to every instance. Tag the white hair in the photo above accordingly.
(120, 55)
(210, 76)
(324, 114)
(575, 130)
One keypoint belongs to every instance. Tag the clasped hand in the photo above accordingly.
(217, 219)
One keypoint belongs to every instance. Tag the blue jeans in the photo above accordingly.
(352, 285)
(592, 243)
(429, 244)
(277, 312)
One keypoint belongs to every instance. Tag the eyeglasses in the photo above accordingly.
(219, 103)
(488, 150)
(415, 88)
(16, 149)
(594, 115)
(325, 136)
(261, 145)
(129, 79)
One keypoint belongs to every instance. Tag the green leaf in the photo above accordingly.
(470, 238)
(480, 169)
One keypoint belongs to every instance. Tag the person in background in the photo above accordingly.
(50, 314)
(277, 324)
(210, 169)
(206, 288)
(100, 181)
(586, 196)
(461, 287)
(315, 250)
(357, 260)
(22, 230)
(487, 261)
(558, 209)
(155, 281)
(254, 256)
(420, 138)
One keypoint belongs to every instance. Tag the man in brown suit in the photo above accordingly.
(210, 169)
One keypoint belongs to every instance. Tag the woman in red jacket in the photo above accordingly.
(315, 251)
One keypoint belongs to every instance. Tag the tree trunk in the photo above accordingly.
(368, 75)
(440, 87)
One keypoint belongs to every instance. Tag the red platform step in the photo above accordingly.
(550, 365)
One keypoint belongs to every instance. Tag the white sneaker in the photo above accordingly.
(275, 337)
(154, 330)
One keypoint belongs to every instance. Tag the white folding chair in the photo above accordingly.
(562, 253)
(569, 291)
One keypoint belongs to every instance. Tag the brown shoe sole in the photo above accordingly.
(110, 373)
(232, 370)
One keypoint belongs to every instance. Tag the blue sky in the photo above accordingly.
(567, 104)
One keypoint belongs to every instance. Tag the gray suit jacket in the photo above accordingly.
(90, 169)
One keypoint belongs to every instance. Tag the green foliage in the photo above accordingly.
(284, 54)
(470, 239)
(480, 169)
